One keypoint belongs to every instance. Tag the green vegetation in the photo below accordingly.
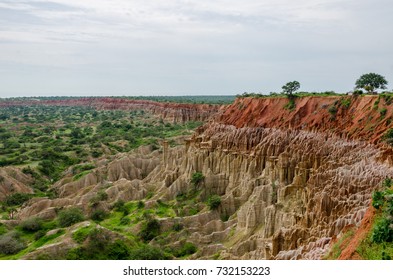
(291, 87)
(291, 105)
(382, 112)
(214, 202)
(32, 224)
(16, 199)
(333, 111)
(379, 242)
(99, 215)
(100, 196)
(81, 234)
(100, 245)
(80, 175)
(148, 252)
(47, 140)
(345, 102)
(190, 99)
(388, 137)
(186, 249)
(370, 82)
(150, 229)
(196, 179)
(10, 243)
(336, 249)
(70, 216)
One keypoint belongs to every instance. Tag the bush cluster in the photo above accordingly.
(214, 202)
(70, 216)
(150, 229)
(10, 243)
(32, 224)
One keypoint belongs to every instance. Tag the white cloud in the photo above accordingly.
(212, 40)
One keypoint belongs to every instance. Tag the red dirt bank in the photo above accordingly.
(360, 120)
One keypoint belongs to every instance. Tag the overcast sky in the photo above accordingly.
(184, 47)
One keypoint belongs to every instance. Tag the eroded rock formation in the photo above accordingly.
(12, 180)
(289, 182)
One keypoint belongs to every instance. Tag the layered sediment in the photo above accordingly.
(289, 181)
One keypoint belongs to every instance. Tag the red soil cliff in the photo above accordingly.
(357, 117)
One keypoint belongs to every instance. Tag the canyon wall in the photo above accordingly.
(289, 181)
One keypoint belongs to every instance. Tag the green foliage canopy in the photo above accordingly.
(370, 82)
(291, 87)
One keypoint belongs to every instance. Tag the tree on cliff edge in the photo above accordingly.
(291, 87)
(370, 82)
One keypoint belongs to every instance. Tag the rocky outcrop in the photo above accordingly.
(289, 191)
(289, 181)
(121, 179)
(12, 180)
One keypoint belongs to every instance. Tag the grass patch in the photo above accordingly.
(370, 250)
(45, 239)
(291, 105)
(346, 102)
(337, 248)
(81, 234)
(80, 175)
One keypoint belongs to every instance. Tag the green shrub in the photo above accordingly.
(125, 221)
(224, 217)
(16, 199)
(119, 205)
(148, 252)
(377, 199)
(98, 240)
(149, 195)
(118, 250)
(187, 249)
(357, 92)
(150, 229)
(84, 167)
(385, 256)
(80, 175)
(197, 178)
(39, 234)
(291, 105)
(32, 224)
(214, 202)
(346, 102)
(81, 234)
(383, 111)
(387, 183)
(177, 227)
(140, 204)
(10, 244)
(333, 110)
(100, 196)
(99, 215)
(382, 232)
(70, 216)
(95, 247)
